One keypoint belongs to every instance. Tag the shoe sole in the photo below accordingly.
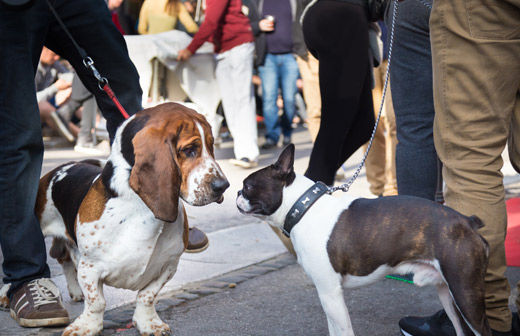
(243, 164)
(35, 323)
(62, 128)
(86, 150)
(405, 333)
(200, 249)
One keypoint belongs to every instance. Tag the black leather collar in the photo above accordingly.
(302, 205)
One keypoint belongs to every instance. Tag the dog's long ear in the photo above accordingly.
(285, 164)
(155, 176)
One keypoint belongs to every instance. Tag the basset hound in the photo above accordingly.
(122, 223)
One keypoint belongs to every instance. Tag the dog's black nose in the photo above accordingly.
(219, 185)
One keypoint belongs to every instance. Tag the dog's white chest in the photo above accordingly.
(130, 248)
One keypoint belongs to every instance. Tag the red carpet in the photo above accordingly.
(513, 232)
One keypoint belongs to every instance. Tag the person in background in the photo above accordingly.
(230, 31)
(53, 88)
(380, 162)
(277, 65)
(309, 72)
(347, 112)
(158, 16)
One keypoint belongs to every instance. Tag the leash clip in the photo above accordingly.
(89, 63)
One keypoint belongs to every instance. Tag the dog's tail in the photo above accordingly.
(475, 222)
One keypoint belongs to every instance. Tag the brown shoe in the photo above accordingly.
(38, 304)
(197, 241)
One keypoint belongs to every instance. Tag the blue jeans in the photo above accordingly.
(412, 95)
(22, 35)
(280, 71)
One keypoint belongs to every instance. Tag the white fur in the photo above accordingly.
(196, 177)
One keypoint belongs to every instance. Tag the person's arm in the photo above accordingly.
(186, 20)
(214, 12)
(47, 93)
(142, 27)
(258, 25)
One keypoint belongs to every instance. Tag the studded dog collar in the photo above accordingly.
(302, 205)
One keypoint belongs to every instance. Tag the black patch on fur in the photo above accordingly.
(106, 176)
(128, 134)
(69, 192)
(390, 230)
(264, 188)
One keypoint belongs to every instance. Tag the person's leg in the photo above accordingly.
(412, 96)
(363, 123)
(475, 90)
(390, 145)
(311, 92)
(375, 161)
(86, 142)
(21, 146)
(270, 76)
(78, 96)
(289, 74)
(234, 74)
(342, 72)
(88, 21)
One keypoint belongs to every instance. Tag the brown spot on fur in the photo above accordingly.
(93, 204)
(41, 198)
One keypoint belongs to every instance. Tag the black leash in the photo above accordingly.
(89, 64)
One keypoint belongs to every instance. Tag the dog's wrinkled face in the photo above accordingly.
(262, 191)
(171, 155)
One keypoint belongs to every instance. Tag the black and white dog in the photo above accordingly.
(352, 242)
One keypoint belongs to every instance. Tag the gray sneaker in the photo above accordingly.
(62, 125)
(37, 303)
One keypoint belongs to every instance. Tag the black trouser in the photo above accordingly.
(336, 33)
(22, 35)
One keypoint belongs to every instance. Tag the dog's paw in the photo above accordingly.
(84, 327)
(75, 293)
(155, 327)
(4, 300)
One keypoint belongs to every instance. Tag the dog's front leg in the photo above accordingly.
(4, 300)
(145, 317)
(90, 322)
(338, 319)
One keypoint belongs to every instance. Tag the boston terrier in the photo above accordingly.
(351, 242)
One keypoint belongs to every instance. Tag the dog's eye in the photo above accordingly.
(190, 151)
(247, 187)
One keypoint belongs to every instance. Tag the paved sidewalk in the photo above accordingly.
(242, 249)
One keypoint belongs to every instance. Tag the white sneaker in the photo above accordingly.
(244, 163)
(88, 148)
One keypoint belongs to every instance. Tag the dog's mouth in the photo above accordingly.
(247, 207)
(220, 199)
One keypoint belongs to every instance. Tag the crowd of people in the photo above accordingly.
(452, 108)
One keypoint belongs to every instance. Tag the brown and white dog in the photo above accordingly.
(123, 223)
(350, 242)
